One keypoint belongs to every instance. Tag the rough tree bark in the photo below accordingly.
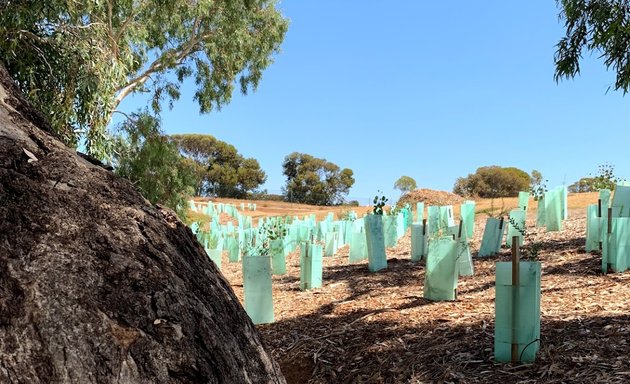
(97, 285)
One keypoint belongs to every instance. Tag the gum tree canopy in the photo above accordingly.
(600, 26)
(77, 60)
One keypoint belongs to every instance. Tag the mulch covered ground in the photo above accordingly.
(377, 328)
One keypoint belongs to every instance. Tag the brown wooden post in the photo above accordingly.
(515, 284)
(609, 220)
(609, 231)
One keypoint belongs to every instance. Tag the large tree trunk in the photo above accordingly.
(97, 285)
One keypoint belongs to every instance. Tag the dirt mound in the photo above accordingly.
(430, 197)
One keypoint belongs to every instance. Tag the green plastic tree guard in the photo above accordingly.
(517, 216)
(446, 215)
(215, 255)
(304, 233)
(278, 261)
(358, 225)
(553, 209)
(541, 216)
(347, 231)
(341, 234)
(523, 200)
(330, 239)
(375, 239)
(593, 228)
(322, 229)
(257, 288)
(289, 246)
(419, 212)
(214, 226)
(417, 241)
(433, 221)
(234, 252)
(408, 217)
(389, 231)
(310, 266)
(492, 237)
(619, 244)
(401, 225)
(439, 219)
(467, 213)
(517, 312)
(464, 258)
(621, 201)
(604, 196)
(605, 237)
(440, 279)
(358, 247)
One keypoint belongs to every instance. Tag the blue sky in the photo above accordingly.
(428, 89)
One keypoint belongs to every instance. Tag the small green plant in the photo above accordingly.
(379, 203)
(264, 237)
(394, 210)
(213, 240)
(606, 178)
(531, 248)
(538, 186)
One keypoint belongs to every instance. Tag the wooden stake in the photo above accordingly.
(515, 284)
(424, 227)
(609, 220)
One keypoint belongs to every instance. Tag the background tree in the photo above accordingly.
(599, 26)
(405, 184)
(77, 60)
(148, 159)
(311, 180)
(493, 181)
(223, 171)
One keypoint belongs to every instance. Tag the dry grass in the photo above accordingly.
(280, 208)
(266, 208)
(575, 201)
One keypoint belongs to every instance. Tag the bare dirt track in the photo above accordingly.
(363, 327)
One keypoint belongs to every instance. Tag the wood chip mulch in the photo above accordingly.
(363, 327)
